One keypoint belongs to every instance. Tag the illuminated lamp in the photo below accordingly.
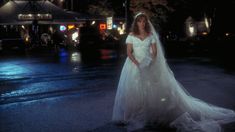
(114, 26)
(74, 36)
(204, 33)
(103, 26)
(71, 27)
(62, 28)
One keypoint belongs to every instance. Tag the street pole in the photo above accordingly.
(127, 14)
(71, 5)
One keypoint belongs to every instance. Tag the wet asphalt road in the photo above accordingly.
(49, 92)
(44, 75)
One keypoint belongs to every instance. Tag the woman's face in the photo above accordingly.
(141, 23)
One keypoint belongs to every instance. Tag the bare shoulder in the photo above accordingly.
(131, 33)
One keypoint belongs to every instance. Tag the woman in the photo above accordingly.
(149, 93)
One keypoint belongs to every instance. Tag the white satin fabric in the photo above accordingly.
(152, 95)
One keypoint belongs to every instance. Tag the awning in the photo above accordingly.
(45, 12)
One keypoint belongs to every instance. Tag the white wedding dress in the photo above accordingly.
(152, 94)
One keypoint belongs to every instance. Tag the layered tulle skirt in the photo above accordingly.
(153, 95)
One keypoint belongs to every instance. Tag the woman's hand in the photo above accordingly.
(136, 63)
(154, 51)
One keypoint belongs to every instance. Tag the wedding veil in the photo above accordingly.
(189, 113)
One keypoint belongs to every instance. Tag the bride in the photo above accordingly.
(148, 92)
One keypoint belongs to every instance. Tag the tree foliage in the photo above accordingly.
(157, 10)
(101, 8)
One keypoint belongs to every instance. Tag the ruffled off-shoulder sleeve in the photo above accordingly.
(129, 39)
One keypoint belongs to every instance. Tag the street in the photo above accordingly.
(45, 92)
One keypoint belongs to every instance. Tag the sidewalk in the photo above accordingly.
(92, 111)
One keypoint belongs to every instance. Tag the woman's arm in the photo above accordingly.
(130, 55)
(154, 50)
